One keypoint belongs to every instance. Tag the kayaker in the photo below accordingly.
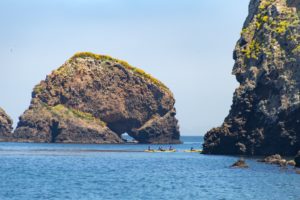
(149, 148)
(160, 149)
(192, 148)
(171, 148)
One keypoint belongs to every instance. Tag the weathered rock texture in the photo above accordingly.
(241, 163)
(297, 159)
(274, 160)
(5, 125)
(265, 114)
(95, 99)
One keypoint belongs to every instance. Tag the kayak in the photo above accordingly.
(150, 151)
(193, 151)
(158, 151)
(168, 151)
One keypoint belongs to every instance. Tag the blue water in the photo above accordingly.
(70, 171)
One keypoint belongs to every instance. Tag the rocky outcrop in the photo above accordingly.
(5, 125)
(157, 128)
(241, 163)
(265, 115)
(278, 160)
(275, 160)
(95, 99)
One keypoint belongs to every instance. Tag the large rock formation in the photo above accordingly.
(265, 114)
(95, 99)
(5, 125)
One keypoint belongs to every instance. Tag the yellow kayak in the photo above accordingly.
(193, 151)
(169, 151)
(150, 151)
(158, 151)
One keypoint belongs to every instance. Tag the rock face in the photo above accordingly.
(95, 99)
(5, 125)
(297, 159)
(265, 115)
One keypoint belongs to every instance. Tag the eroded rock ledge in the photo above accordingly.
(95, 99)
(5, 125)
(265, 115)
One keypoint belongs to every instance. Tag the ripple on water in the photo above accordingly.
(67, 172)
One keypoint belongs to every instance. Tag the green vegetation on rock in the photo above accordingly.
(135, 70)
(296, 50)
(265, 22)
(252, 50)
(62, 110)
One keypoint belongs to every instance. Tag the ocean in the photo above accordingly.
(125, 172)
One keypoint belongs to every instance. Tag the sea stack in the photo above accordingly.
(95, 99)
(265, 115)
(5, 126)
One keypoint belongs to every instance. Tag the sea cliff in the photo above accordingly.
(265, 115)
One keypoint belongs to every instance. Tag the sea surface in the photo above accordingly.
(125, 172)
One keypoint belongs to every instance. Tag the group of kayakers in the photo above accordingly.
(160, 148)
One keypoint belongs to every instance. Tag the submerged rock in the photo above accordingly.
(95, 99)
(5, 125)
(241, 163)
(278, 160)
(275, 159)
(265, 115)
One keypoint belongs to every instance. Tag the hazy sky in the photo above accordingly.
(187, 44)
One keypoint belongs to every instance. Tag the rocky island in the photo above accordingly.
(95, 99)
(265, 115)
(5, 125)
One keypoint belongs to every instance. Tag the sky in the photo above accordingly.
(187, 44)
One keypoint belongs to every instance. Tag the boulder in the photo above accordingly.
(241, 163)
(291, 163)
(275, 160)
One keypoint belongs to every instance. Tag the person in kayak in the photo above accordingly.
(160, 149)
(149, 148)
(171, 148)
(192, 148)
